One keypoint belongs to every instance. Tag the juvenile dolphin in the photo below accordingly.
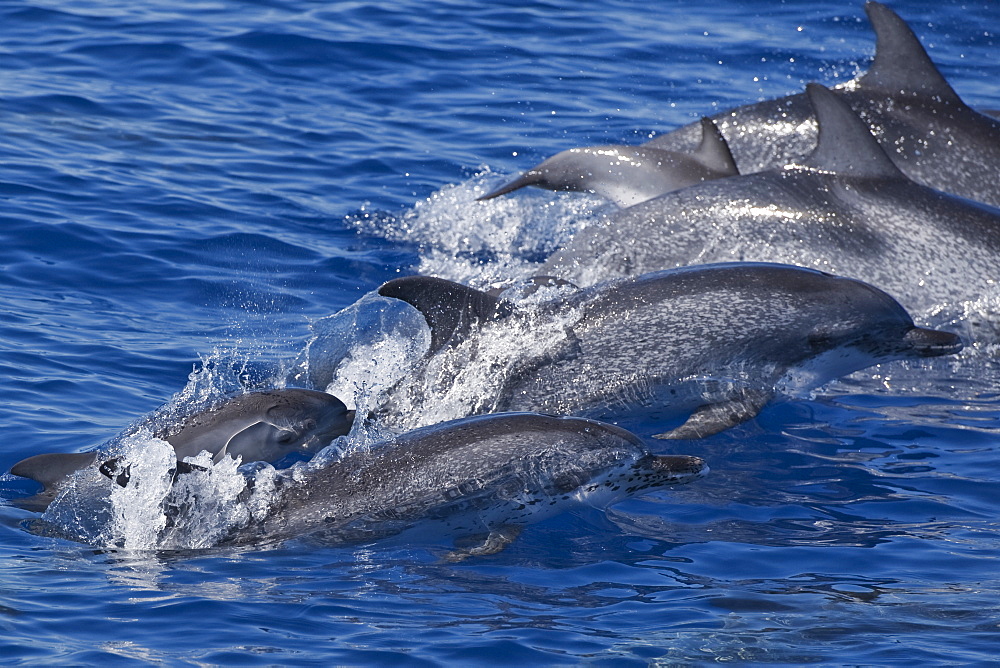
(627, 175)
(257, 426)
(921, 122)
(718, 340)
(488, 475)
(846, 209)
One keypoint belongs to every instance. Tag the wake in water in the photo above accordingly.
(374, 356)
(471, 242)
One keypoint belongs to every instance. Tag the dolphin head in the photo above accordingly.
(267, 426)
(257, 426)
(857, 325)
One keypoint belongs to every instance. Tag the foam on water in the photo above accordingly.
(156, 509)
(172, 180)
(469, 378)
(480, 243)
(361, 352)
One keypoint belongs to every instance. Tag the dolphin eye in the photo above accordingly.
(286, 437)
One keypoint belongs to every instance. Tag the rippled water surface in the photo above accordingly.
(189, 186)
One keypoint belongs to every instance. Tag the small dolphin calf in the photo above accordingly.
(714, 339)
(258, 426)
(846, 209)
(627, 175)
(924, 126)
(487, 475)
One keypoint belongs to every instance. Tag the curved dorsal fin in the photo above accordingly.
(451, 309)
(845, 145)
(901, 63)
(713, 152)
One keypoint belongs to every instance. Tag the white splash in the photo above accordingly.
(154, 509)
(470, 378)
(479, 243)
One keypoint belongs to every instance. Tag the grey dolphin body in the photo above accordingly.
(924, 126)
(627, 175)
(483, 475)
(713, 339)
(846, 209)
(257, 426)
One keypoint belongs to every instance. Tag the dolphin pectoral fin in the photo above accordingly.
(52, 469)
(713, 418)
(450, 309)
(494, 542)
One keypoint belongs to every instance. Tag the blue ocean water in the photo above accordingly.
(195, 184)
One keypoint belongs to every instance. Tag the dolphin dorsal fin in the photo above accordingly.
(901, 63)
(713, 152)
(53, 468)
(845, 145)
(450, 309)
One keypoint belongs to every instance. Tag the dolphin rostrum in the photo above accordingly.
(846, 209)
(486, 475)
(718, 340)
(257, 426)
(627, 175)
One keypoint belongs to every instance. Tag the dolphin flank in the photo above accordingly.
(487, 475)
(718, 340)
(846, 209)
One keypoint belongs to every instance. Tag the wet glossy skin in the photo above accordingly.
(931, 135)
(473, 475)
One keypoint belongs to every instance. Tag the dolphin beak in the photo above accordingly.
(321, 439)
(932, 343)
(683, 467)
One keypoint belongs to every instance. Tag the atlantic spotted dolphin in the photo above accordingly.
(627, 175)
(486, 475)
(921, 122)
(846, 209)
(718, 340)
(257, 426)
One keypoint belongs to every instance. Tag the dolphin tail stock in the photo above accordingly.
(710, 419)
(450, 309)
(713, 151)
(901, 63)
(846, 145)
